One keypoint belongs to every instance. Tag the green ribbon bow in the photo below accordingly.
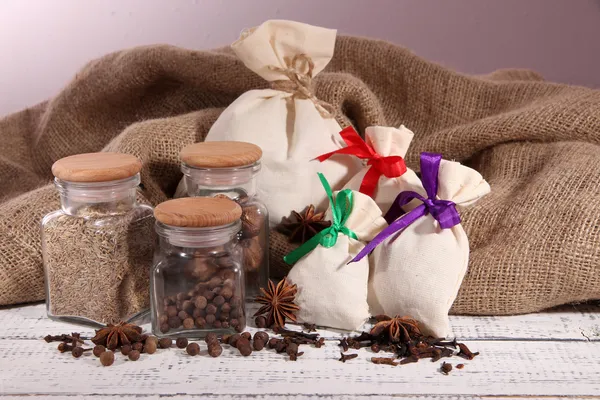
(340, 210)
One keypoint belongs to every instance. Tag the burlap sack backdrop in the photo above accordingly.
(535, 240)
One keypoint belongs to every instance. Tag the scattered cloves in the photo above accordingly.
(346, 357)
(446, 368)
(384, 361)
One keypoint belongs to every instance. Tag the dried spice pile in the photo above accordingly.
(402, 337)
(97, 265)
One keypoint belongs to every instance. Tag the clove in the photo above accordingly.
(384, 361)
(63, 338)
(310, 327)
(286, 332)
(464, 352)
(409, 359)
(344, 344)
(346, 357)
(319, 343)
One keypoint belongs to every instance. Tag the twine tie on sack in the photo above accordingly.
(299, 83)
(341, 209)
(390, 167)
(444, 211)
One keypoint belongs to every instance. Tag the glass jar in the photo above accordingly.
(197, 283)
(218, 169)
(97, 249)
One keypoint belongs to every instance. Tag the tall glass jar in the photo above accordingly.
(229, 169)
(197, 282)
(98, 247)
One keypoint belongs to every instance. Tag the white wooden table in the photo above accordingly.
(555, 354)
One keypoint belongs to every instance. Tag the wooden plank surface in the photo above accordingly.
(580, 322)
(554, 354)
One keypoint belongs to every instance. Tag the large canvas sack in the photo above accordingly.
(419, 261)
(288, 122)
(535, 240)
(332, 292)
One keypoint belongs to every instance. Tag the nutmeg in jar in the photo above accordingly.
(197, 281)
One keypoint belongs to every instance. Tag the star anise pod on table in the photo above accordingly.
(113, 336)
(300, 227)
(278, 303)
(398, 329)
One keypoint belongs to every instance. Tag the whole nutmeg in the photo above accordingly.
(107, 358)
(252, 220)
(165, 343)
(215, 349)
(125, 349)
(211, 337)
(193, 349)
(137, 346)
(188, 323)
(247, 335)
(260, 322)
(99, 349)
(253, 253)
(134, 355)
(181, 342)
(150, 346)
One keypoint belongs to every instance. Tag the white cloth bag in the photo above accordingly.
(290, 128)
(388, 141)
(332, 292)
(418, 271)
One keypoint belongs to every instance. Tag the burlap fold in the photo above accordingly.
(535, 240)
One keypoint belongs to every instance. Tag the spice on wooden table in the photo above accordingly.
(460, 366)
(384, 360)
(107, 358)
(446, 368)
(99, 349)
(113, 336)
(134, 355)
(278, 303)
(181, 342)
(346, 357)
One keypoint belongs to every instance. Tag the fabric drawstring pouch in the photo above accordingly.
(289, 123)
(384, 173)
(419, 261)
(332, 292)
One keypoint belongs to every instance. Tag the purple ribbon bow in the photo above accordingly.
(444, 211)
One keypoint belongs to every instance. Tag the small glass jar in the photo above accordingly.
(98, 247)
(219, 169)
(197, 283)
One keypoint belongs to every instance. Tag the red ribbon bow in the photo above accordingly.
(390, 167)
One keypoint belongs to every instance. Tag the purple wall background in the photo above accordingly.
(44, 42)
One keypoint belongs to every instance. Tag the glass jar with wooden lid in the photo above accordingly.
(98, 247)
(229, 169)
(197, 281)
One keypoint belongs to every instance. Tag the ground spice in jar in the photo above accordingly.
(98, 248)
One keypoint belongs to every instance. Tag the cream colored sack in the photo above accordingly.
(332, 292)
(388, 142)
(288, 122)
(417, 271)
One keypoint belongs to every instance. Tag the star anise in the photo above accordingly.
(113, 336)
(399, 329)
(301, 227)
(278, 303)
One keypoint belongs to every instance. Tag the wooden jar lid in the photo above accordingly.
(198, 212)
(96, 167)
(220, 154)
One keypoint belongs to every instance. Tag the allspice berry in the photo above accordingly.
(243, 345)
(188, 323)
(210, 318)
(233, 339)
(134, 355)
(262, 335)
(273, 343)
(99, 349)
(150, 346)
(107, 358)
(181, 342)
(215, 349)
(165, 343)
(258, 344)
(125, 349)
(211, 309)
(375, 348)
(219, 300)
(260, 322)
(247, 335)
(201, 302)
(137, 346)
(211, 337)
(193, 349)
(152, 339)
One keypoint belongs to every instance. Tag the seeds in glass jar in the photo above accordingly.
(172, 311)
(227, 292)
(193, 349)
(210, 319)
(165, 343)
(200, 322)
(163, 319)
(183, 315)
(208, 295)
(219, 300)
(134, 355)
(181, 342)
(201, 302)
(164, 328)
(174, 322)
(224, 324)
(107, 358)
(188, 323)
(211, 309)
(214, 282)
(217, 324)
(224, 317)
